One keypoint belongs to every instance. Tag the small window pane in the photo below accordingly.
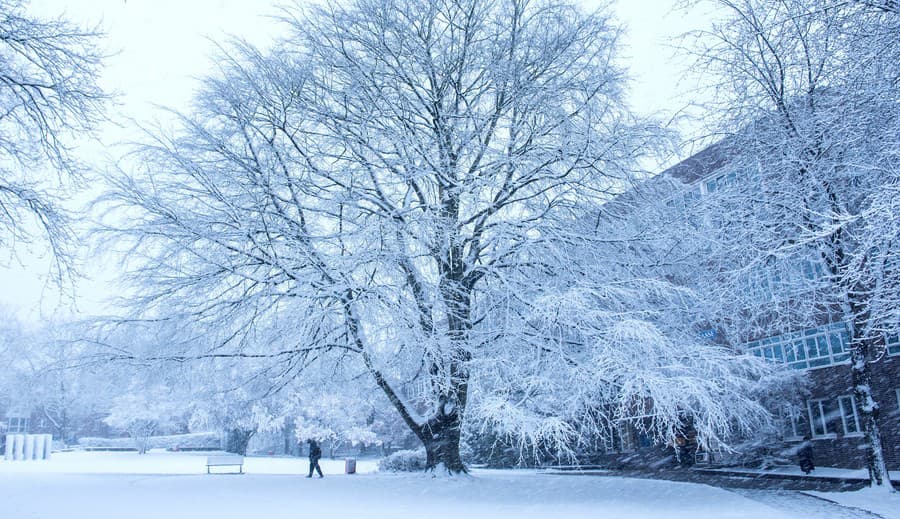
(779, 354)
(801, 351)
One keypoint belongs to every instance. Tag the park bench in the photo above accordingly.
(225, 461)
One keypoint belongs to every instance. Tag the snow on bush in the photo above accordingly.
(206, 440)
(141, 413)
(404, 461)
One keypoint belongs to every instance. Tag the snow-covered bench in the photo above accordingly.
(225, 461)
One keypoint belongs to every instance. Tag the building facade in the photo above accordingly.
(828, 414)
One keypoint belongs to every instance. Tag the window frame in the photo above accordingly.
(793, 423)
(852, 399)
(813, 348)
(892, 342)
(818, 402)
(17, 425)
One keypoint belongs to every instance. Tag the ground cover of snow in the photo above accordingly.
(171, 463)
(98, 485)
(871, 499)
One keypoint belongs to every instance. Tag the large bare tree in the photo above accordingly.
(394, 189)
(375, 182)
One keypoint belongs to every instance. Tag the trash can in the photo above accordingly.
(350, 466)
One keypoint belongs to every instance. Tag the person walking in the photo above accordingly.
(805, 456)
(315, 452)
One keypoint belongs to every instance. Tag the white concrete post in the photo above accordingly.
(18, 453)
(8, 451)
(38, 447)
(48, 445)
(29, 447)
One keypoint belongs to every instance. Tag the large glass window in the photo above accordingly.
(820, 415)
(719, 182)
(849, 416)
(17, 425)
(893, 344)
(794, 426)
(813, 348)
(620, 438)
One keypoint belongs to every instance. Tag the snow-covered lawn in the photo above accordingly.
(874, 500)
(174, 485)
(167, 463)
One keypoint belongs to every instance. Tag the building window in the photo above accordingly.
(627, 441)
(17, 425)
(813, 348)
(620, 439)
(849, 416)
(820, 412)
(793, 424)
(720, 182)
(893, 344)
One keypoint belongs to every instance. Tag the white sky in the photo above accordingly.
(158, 47)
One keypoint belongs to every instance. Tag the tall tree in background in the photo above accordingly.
(44, 373)
(809, 95)
(48, 92)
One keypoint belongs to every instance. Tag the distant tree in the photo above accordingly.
(338, 417)
(142, 413)
(48, 94)
(44, 373)
(236, 412)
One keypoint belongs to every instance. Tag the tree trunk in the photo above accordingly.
(441, 437)
(869, 411)
(857, 315)
(237, 440)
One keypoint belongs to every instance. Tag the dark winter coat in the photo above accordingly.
(315, 452)
(805, 458)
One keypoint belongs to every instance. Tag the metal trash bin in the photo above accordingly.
(350, 466)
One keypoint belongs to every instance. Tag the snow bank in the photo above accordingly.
(176, 441)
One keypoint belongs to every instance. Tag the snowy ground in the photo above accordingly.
(871, 499)
(174, 485)
(793, 470)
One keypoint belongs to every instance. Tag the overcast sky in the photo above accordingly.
(158, 47)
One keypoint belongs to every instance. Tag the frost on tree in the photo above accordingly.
(383, 189)
(142, 413)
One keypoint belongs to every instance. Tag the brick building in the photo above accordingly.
(829, 414)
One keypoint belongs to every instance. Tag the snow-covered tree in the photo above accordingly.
(614, 342)
(390, 192)
(803, 227)
(48, 93)
(44, 373)
(142, 412)
(338, 413)
(235, 411)
(373, 175)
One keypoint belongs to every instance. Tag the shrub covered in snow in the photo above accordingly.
(207, 440)
(404, 461)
